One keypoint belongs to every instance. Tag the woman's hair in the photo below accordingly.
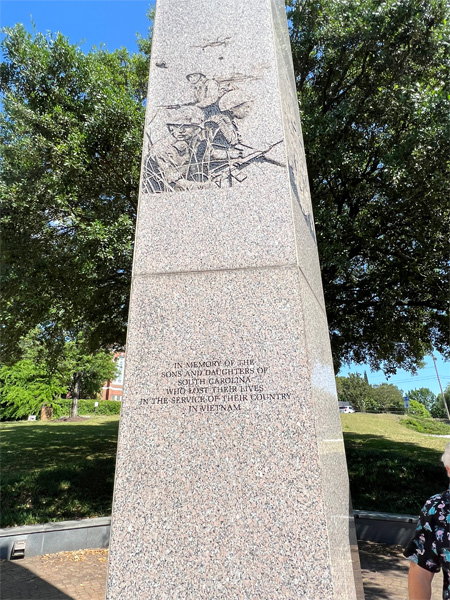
(446, 456)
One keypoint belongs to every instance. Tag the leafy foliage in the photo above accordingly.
(418, 409)
(366, 398)
(438, 409)
(44, 376)
(90, 371)
(422, 395)
(373, 82)
(373, 88)
(388, 397)
(357, 391)
(429, 426)
(70, 136)
(87, 407)
(25, 386)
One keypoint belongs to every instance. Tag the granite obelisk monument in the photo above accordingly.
(231, 480)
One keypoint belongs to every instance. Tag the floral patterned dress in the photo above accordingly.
(430, 547)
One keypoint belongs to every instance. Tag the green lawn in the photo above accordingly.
(56, 471)
(391, 468)
(60, 471)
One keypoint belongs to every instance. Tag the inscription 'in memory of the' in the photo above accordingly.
(214, 386)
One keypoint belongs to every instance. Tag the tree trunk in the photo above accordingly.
(75, 395)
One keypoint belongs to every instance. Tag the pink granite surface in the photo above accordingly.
(231, 479)
(222, 489)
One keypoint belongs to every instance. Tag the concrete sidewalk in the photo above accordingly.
(81, 575)
(385, 573)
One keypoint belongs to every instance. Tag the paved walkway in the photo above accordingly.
(77, 575)
(81, 575)
(385, 573)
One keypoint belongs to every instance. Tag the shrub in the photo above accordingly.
(417, 409)
(25, 387)
(430, 426)
(437, 409)
(87, 407)
(392, 477)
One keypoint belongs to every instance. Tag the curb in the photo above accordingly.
(50, 538)
(385, 528)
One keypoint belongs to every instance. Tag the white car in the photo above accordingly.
(346, 409)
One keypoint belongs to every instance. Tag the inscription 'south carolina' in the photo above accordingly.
(213, 386)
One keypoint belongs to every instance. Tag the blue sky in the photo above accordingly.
(404, 380)
(115, 23)
(112, 22)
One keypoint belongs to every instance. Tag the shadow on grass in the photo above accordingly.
(60, 471)
(57, 471)
(390, 476)
(74, 491)
(43, 445)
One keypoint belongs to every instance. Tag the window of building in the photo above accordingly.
(120, 361)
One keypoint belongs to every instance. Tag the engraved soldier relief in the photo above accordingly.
(201, 142)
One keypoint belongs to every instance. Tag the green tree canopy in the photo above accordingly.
(418, 409)
(422, 395)
(367, 398)
(44, 375)
(438, 409)
(25, 386)
(374, 88)
(88, 371)
(388, 397)
(355, 390)
(70, 138)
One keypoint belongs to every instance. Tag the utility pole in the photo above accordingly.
(440, 385)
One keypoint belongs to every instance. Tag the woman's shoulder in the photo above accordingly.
(437, 502)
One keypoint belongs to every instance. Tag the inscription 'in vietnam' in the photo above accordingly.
(214, 386)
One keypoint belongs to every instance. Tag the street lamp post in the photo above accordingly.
(440, 385)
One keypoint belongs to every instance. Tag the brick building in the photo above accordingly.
(112, 390)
